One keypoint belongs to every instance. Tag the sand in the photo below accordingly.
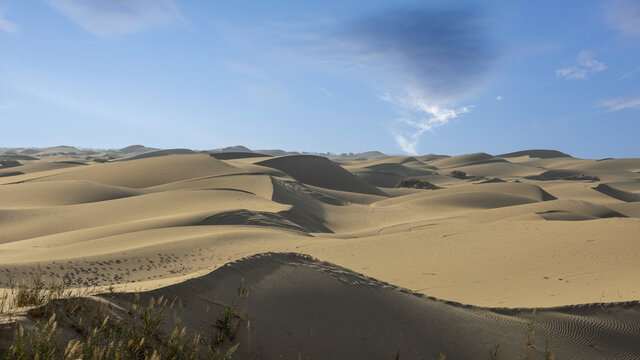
(532, 229)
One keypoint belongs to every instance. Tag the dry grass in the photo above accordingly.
(83, 328)
(414, 183)
(7, 163)
(80, 327)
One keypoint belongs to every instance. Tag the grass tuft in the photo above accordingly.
(98, 330)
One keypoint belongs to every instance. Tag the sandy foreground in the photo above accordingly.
(501, 235)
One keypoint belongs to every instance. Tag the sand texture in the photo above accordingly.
(500, 234)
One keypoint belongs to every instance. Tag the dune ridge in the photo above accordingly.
(288, 310)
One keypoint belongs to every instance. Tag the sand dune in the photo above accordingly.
(632, 165)
(498, 169)
(465, 160)
(387, 174)
(540, 154)
(318, 171)
(528, 229)
(36, 167)
(288, 308)
(236, 155)
(157, 153)
(58, 193)
(614, 191)
(156, 170)
(185, 207)
(63, 210)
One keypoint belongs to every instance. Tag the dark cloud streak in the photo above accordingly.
(440, 52)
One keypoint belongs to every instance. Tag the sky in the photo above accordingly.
(401, 77)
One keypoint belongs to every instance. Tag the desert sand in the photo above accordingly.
(339, 262)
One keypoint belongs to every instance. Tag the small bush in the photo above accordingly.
(414, 183)
(581, 177)
(102, 331)
(459, 174)
(37, 292)
(7, 163)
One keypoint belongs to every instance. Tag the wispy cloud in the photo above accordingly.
(499, 98)
(621, 104)
(59, 97)
(7, 25)
(624, 15)
(437, 56)
(585, 66)
(97, 109)
(629, 74)
(427, 60)
(327, 92)
(8, 105)
(432, 116)
(114, 18)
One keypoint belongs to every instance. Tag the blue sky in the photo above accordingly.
(395, 76)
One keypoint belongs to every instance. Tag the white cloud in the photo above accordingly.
(7, 25)
(629, 74)
(498, 98)
(585, 65)
(623, 15)
(436, 116)
(113, 18)
(407, 145)
(621, 104)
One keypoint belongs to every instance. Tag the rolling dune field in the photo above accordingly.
(345, 258)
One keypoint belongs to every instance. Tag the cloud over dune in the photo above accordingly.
(428, 60)
(438, 53)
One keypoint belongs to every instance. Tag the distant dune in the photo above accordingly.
(157, 153)
(530, 229)
(542, 154)
(236, 155)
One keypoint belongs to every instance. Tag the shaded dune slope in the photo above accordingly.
(376, 320)
(541, 154)
(388, 174)
(632, 165)
(611, 190)
(489, 195)
(563, 209)
(236, 155)
(300, 307)
(562, 174)
(321, 172)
